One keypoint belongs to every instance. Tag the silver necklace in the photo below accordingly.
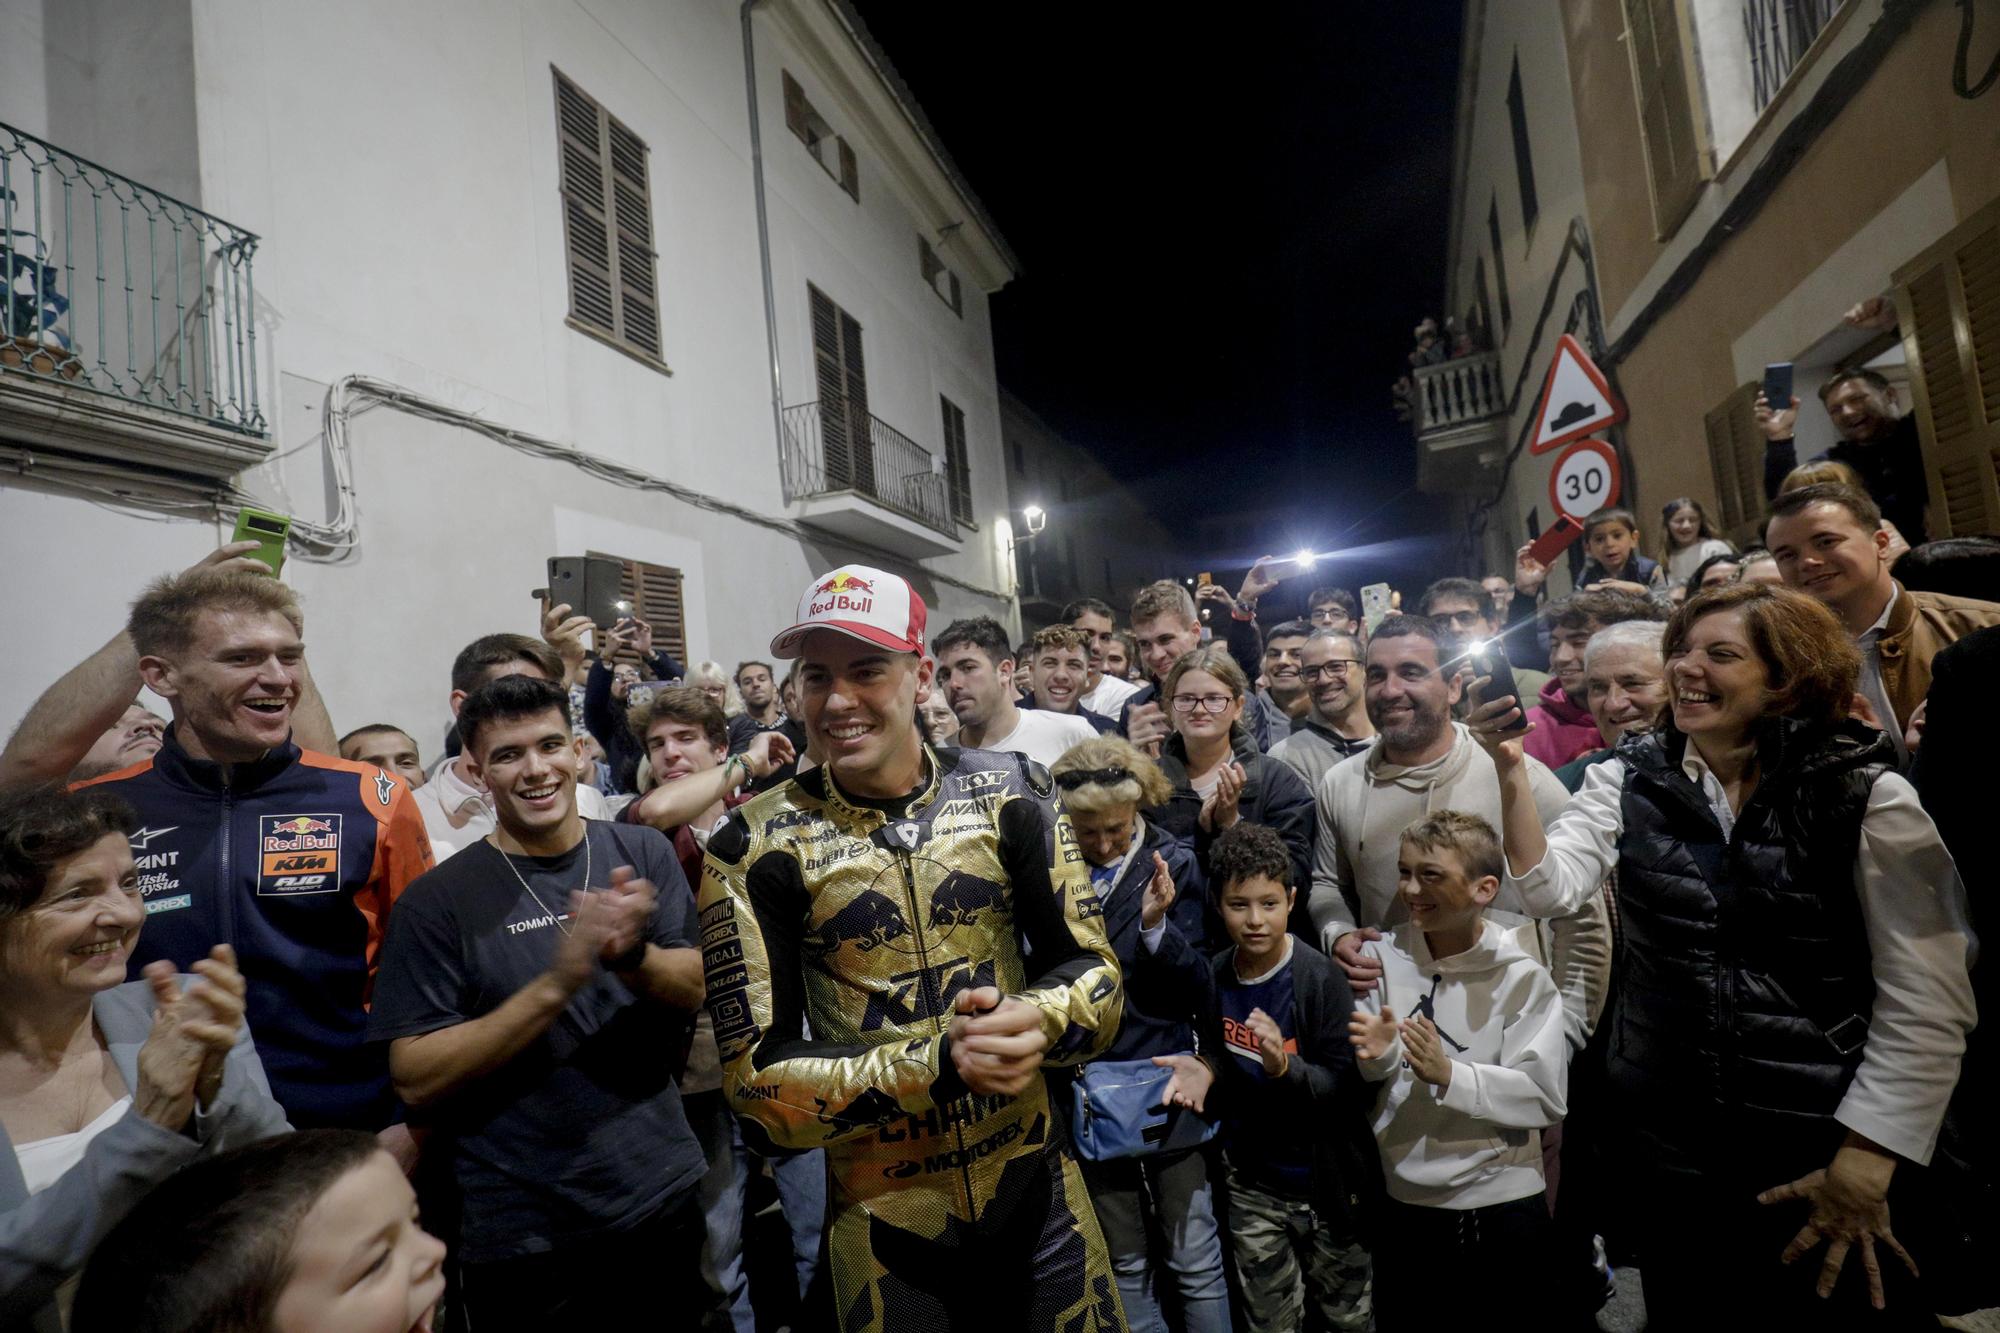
(530, 889)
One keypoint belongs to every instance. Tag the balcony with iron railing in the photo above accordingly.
(1458, 411)
(128, 322)
(856, 476)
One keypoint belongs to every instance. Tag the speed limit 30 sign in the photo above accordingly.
(1585, 478)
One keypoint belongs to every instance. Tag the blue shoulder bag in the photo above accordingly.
(1118, 1112)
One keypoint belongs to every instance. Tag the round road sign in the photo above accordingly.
(1584, 478)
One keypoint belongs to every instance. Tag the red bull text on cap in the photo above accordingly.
(869, 604)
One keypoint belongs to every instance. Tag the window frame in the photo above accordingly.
(607, 222)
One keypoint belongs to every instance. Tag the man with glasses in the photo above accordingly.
(1333, 608)
(1336, 724)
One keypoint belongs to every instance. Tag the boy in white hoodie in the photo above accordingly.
(1472, 1077)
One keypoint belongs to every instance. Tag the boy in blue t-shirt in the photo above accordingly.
(1297, 1146)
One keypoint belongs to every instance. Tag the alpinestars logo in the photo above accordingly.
(144, 837)
(385, 786)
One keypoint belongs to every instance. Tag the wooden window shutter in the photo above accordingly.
(655, 594)
(631, 199)
(849, 457)
(607, 222)
(1666, 108)
(1736, 460)
(1948, 305)
(958, 466)
(798, 112)
(586, 222)
(850, 171)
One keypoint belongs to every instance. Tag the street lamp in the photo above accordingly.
(1036, 519)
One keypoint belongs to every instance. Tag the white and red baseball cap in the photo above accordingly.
(870, 604)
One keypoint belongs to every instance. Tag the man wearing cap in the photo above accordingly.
(882, 902)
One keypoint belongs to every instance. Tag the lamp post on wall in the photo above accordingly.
(1033, 519)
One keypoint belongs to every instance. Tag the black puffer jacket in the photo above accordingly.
(1740, 952)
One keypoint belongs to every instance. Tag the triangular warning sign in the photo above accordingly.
(1575, 400)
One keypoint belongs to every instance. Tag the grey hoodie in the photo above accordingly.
(1365, 803)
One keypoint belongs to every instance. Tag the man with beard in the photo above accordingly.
(1424, 761)
(291, 857)
(762, 712)
(1336, 725)
(897, 942)
(536, 996)
(975, 669)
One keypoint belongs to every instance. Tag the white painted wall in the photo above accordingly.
(1499, 34)
(400, 163)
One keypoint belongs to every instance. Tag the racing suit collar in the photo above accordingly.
(925, 793)
(178, 766)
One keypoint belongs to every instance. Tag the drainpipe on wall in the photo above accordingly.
(764, 236)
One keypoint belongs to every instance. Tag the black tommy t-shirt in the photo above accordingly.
(582, 1131)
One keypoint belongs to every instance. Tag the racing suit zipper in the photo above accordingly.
(943, 1021)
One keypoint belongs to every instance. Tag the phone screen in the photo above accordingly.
(1778, 385)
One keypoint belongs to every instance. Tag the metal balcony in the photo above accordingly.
(855, 476)
(127, 314)
(1459, 413)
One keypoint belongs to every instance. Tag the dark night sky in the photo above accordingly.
(1230, 219)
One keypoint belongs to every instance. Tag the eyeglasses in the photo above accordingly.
(1091, 777)
(1214, 703)
(1460, 619)
(1334, 670)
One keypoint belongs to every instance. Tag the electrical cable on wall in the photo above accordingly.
(340, 533)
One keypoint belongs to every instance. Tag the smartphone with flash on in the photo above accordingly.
(268, 530)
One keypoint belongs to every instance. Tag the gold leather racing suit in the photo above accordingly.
(863, 922)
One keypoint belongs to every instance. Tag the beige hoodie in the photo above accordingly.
(1364, 804)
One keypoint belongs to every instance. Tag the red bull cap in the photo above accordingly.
(872, 605)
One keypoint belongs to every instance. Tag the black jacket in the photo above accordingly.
(1741, 953)
(1273, 796)
(1321, 1087)
(1892, 470)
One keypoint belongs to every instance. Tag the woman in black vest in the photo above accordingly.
(1794, 995)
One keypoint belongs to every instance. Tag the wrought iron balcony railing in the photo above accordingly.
(1456, 393)
(1777, 34)
(115, 287)
(827, 452)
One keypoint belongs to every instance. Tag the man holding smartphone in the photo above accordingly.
(1877, 439)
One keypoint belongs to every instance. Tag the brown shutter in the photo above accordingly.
(1948, 304)
(1736, 460)
(638, 284)
(958, 467)
(655, 594)
(836, 441)
(586, 224)
(850, 171)
(1666, 108)
(798, 113)
(859, 423)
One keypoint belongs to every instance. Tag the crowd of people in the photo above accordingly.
(1167, 970)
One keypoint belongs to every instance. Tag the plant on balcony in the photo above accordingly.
(33, 308)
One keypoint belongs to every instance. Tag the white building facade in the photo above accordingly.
(691, 284)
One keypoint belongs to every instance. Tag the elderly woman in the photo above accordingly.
(1795, 995)
(106, 1087)
(1104, 784)
(713, 681)
(1217, 774)
(1625, 688)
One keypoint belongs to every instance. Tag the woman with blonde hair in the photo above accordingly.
(1840, 474)
(1105, 783)
(713, 681)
